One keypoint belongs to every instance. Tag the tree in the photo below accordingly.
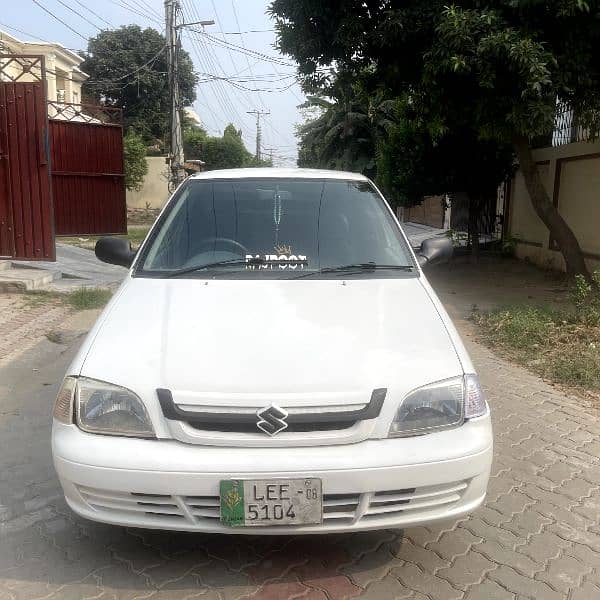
(128, 69)
(346, 133)
(134, 155)
(411, 165)
(497, 68)
(226, 152)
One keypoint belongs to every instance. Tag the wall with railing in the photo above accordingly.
(566, 129)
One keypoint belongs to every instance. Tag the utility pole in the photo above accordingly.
(176, 158)
(270, 151)
(258, 114)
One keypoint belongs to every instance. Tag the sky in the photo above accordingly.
(218, 102)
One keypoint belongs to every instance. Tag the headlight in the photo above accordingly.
(102, 408)
(440, 405)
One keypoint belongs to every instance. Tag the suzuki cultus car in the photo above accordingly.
(274, 362)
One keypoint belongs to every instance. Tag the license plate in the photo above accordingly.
(270, 502)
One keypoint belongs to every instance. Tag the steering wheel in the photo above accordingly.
(235, 246)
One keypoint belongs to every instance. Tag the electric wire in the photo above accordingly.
(270, 125)
(36, 38)
(59, 19)
(122, 4)
(93, 13)
(205, 56)
(79, 14)
(208, 105)
(212, 59)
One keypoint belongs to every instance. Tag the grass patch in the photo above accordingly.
(80, 299)
(562, 345)
(88, 298)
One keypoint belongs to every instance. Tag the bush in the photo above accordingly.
(136, 167)
(561, 344)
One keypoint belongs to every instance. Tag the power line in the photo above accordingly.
(37, 38)
(136, 12)
(59, 19)
(243, 32)
(93, 13)
(222, 97)
(242, 50)
(79, 14)
(237, 22)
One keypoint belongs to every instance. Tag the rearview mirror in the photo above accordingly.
(435, 250)
(115, 251)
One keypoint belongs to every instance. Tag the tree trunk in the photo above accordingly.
(474, 210)
(548, 213)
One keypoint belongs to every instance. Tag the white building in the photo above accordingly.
(63, 74)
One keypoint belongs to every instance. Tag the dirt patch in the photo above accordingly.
(525, 314)
(142, 216)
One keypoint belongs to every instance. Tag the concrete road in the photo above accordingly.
(537, 537)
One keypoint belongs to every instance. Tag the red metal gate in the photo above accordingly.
(88, 180)
(26, 217)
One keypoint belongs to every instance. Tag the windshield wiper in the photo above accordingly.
(220, 263)
(357, 268)
(254, 261)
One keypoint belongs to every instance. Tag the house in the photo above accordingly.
(63, 75)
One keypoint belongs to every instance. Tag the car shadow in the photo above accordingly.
(66, 553)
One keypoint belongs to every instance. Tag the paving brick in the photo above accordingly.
(504, 556)
(485, 531)
(512, 503)
(489, 590)
(564, 573)
(584, 554)
(523, 586)
(527, 523)
(467, 570)
(371, 567)
(427, 559)
(388, 587)
(587, 591)
(573, 534)
(430, 585)
(453, 543)
(541, 548)
(577, 488)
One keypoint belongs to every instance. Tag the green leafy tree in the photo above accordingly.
(134, 154)
(411, 165)
(127, 69)
(226, 152)
(497, 68)
(346, 133)
(193, 141)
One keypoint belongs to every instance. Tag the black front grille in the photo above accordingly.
(228, 427)
(232, 422)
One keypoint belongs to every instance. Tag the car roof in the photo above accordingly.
(268, 172)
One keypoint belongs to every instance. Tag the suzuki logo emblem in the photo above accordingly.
(271, 419)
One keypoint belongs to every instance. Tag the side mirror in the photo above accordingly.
(115, 251)
(435, 250)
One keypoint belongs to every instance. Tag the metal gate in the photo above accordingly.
(26, 217)
(88, 178)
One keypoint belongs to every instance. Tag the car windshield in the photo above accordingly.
(275, 228)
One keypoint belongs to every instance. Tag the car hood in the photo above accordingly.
(227, 342)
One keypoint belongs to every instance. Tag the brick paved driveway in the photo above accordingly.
(537, 537)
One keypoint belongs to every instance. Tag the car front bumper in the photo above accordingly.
(375, 484)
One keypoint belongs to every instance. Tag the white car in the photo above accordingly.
(275, 362)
